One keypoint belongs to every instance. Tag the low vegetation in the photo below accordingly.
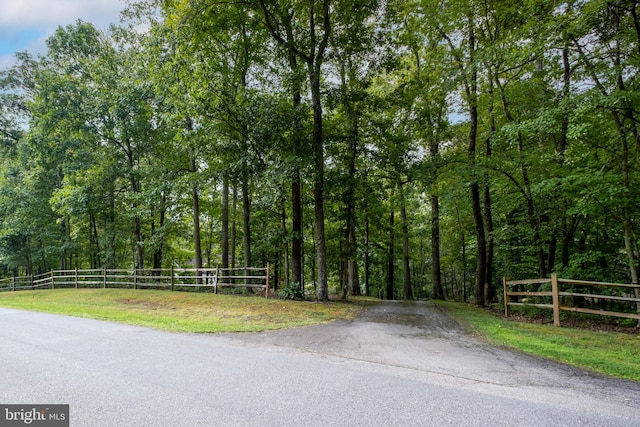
(182, 311)
(609, 353)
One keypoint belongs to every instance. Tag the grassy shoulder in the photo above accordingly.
(182, 311)
(609, 353)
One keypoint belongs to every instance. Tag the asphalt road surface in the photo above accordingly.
(400, 364)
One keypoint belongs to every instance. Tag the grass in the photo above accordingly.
(181, 311)
(609, 353)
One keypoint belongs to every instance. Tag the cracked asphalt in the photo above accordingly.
(418, 340)
(399, 364)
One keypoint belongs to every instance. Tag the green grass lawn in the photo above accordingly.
(182, 311)
(610, 353)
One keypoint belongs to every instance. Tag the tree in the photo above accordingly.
(610, 63)
(307, 28)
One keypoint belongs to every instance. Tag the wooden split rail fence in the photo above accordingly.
(564, 293)
(173, 279)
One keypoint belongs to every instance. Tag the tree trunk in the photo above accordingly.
(367, 257)
(533, 218)
(296, 185)
(137, 226)
(463, 256)
(234, 226)
(489, 290)
(96, 261)
(285, 248)
(225, 223)
(344, 262)
(406, 282)
(137, 233)
(390, 257)
(64, 241)
(350, 264)
(296, 230)
(628, 232)
(197, 245)
(275, 22)
(110, 259)
(353, 281)
(630, 239)
(246, 205)
(560, 218)
(471, 91)
(157, 254)
(629, 235)
(353, 276)
(481, 247)
(159, 249)
(318, 189)
(436, 275)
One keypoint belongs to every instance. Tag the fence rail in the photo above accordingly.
(566, 291)
(173, 279)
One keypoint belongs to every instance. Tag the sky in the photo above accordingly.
(26, 24)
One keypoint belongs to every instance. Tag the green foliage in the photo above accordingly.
(105, 138)
(292, 291)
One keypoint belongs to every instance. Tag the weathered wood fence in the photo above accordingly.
(570, 295)
(170, 279)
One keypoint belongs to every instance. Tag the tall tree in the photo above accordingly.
(464, 51)
(304, 29)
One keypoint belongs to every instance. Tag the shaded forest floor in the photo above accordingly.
(571, 320)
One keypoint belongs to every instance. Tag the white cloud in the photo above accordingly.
(6, 61)
(18, 14)
(42, 17)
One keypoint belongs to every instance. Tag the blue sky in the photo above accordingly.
(26, 24)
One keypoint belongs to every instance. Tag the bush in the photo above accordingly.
(292, 291)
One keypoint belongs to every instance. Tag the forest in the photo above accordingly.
(394, 148)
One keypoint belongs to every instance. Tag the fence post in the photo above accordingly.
(556, 299)
(31, 281)
(173, 280)
(75, 277)
(135, 278)
(104, 278)
(506, 296)
(13, 283)
(53, 280)
(266, 294)
(215, 279)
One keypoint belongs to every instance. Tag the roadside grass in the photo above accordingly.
(610, 353)
(182, 311)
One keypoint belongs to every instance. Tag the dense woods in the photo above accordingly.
(400, 148)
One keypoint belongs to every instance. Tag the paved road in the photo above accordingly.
(398, 365)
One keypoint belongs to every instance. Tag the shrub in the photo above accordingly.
(292, 291)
